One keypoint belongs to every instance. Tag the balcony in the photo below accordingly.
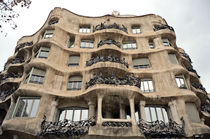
(198, 86)
(192, 70)
(22, 45)
(109, 42)
(159, 27)
(102, 26)
(11, 75)
(17, 60)
(186, 56)
(206, 107)
(6, 92)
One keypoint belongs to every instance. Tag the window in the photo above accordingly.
(84, 29)
(139, 63)
(43, 52)
(53, 21)
(75, 83)
(74, 114)
(26, 107)
(71, 42)
(86, 44)
(129, 45)
(166, 42)
(48, 34)
(151, 44)
(147, 85)
(154, 113)
(35, 76)
(192, 112)
(73, 61)
(180, 81)
(136, 30)
(173, 59)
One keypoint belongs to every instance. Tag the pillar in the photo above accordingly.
(142, 110)
(53, 110)
(132, 107)
(91, 106)
(99, 114)
(122, 111)
(174, 112)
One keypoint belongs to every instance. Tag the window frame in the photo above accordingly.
(29, 76)
(53, 21)
(75, 85)
(84, 29)
(174, 56)
(148, 90)
(73, 64)
(142, 66)
(70, 40)
(166, 42)
(48, 33)
(87, 44)
(136, 29)
(178, 77)
(153, 44)
(41, 49)
(131, 44)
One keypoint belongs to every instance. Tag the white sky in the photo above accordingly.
(190, 19)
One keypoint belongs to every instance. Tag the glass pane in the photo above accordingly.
(129, 45)
(128, 117)
(142, 86)
(26, 111)
(84, 115)
(19, 108)
(148, 118)
(151, 86)
(159, 114)
(61, 118)
(41, 79)
(165, 115)
(79, 85)
(178, 82)
(153, 114)
(69, 114)
(182, 81)
(146, 88)
(75, 85)
(70, 85)
(76, 115)
(134, 31)
(35, 108)
(137, 116)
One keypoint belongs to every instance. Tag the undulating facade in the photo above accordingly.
(114, 76)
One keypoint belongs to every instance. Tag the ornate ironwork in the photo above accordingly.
(160, 129)
(23, 45)
(186, 56)
(198, 86)
(114, 80)
(114, 26)
(192, 70)
(109, 42)
(206, 106)
(17, 60)
(159, 27)
(66, 128)
(117, 124)
(4, 94)
(97, 59)
(11, 75)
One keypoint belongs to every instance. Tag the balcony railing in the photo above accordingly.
(186, 56)
(160, 129)
(5, 93)
(109, 42)
(159, 27)
(198, 86)
(23, 45)
(116, 124)
(114, 80)
(112, 26)
(206, 106)
(66, 128)
(17, 60)
(11, 75)
(97, 59)
(192, 70)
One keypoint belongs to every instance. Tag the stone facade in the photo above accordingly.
(112, 77)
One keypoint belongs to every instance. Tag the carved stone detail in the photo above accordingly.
(160, 129)
(97, 59)
(114, 80)
(4, 94)
(109, 42)
(112, 26)
(66, 128)
(116, 124)
(23, 45)
(159, 27)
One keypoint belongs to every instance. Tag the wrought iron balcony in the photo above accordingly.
(186, 56)
(23, 45)
(192, 70)
(66, 128)
(198, 86)
(5, 93)
(114, 80)
(97, 59)
(160, 129)
(112, 26)
(11, 75)
(109, 42)
(116, 124)
(206, 106)
(17, 60)
(159, 27)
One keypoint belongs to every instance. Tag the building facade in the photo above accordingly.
(114, 76)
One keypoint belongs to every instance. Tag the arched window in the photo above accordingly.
(53, 21)
(75, 83)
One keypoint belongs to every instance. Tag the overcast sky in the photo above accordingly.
(190, 19)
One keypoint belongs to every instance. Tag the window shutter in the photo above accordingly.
(75, 78)
(192, 112)
(45, 48)
(141, 61)
(74, 59)
(173, 58)
(39, 72)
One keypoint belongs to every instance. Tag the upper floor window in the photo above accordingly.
(86, 44)
(129, 45)
(166, 42)
(26, 107)
(147, 85)
(173, 59)
(74, 114)
(180, 81)
(71, 42)
(75, 83)
(84, 29)
(154, 113)
(136, 29)
(43, 52)
(192, 112)
(74, 61)
(53, 21)
(48, 34)
(151, 44)
(35, 76)
(139, 63)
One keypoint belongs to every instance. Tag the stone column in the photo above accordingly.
(54, 105)
(142, 110)
(99, 115)
(122, 111)
(91, 105)
(132, 107)
(174, 112)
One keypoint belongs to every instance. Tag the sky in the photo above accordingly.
(189, 18)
